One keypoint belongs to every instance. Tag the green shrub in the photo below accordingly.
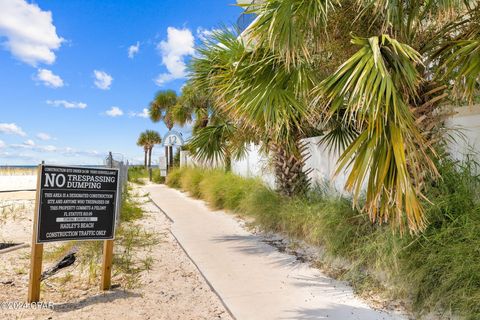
(156, 177)
(211, 188)
(190, 181)
(173, 178)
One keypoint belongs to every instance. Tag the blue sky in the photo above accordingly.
(76, 75)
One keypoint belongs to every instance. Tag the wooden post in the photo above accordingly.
(106, 281)
(37, 250)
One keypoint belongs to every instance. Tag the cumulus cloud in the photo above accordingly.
(29, 142)
(11, 128)
(143, 114)
(29, 31)
(102, 79)
(179, 45)
(114, 112)
(67, 104)
(133, 50)
(49, 79)
(2, 144)
(48, 148)
(43, 136)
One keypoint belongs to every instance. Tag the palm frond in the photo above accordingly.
(387, 155)
(339, 135)
(463, 65)
(287, 26)
(211, 143)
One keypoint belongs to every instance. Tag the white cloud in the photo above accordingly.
(179, 44)
(30, 34)
(102, 79)
(67, 104)
(11, 128)
(133, 50)
(203, 34)
(2, 144)
(48, 148)
(49, 79)
(43, 136)
(29, 142)
(143, 114)
(114, 112)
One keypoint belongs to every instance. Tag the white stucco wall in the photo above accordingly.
(254, 164)
(467, 122)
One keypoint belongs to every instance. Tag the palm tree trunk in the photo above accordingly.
(290, 176)
(145, 150)
(170, 152)
(150, 157)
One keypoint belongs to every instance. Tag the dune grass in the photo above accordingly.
(436, 272)
(131, 240)
(17, 171)
(138, 175)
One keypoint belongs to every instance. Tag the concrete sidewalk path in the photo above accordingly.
(253, 279)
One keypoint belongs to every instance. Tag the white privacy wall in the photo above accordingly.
(254, 164)
(467, 121)
(323, 163)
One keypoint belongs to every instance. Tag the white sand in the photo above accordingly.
(173, 289)
(17, 182)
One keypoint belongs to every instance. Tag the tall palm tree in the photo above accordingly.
(152, 138)
(193, 105)
(161, 108)
(142, 142)
(262, 97)
(148, 139)
(377, 95)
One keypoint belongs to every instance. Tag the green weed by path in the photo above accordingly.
(139, 175)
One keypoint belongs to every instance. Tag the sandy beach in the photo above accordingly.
(172, 289)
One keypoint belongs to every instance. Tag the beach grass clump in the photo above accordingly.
(444, 261)
(173, 177)
(190, 181)
(131, 240)
(18, 171)
(436, 271)
(139, 175)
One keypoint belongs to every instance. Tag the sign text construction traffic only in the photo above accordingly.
(76, 203)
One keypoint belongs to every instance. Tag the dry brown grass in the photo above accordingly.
(14, 171)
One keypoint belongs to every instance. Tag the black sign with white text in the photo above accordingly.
(76, 203)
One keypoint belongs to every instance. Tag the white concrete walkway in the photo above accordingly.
(253, 279)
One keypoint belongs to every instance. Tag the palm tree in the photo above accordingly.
(192, 105)
(377, 95)
(148, 140)
(142, 142)
(152, 138)
(260, 97)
